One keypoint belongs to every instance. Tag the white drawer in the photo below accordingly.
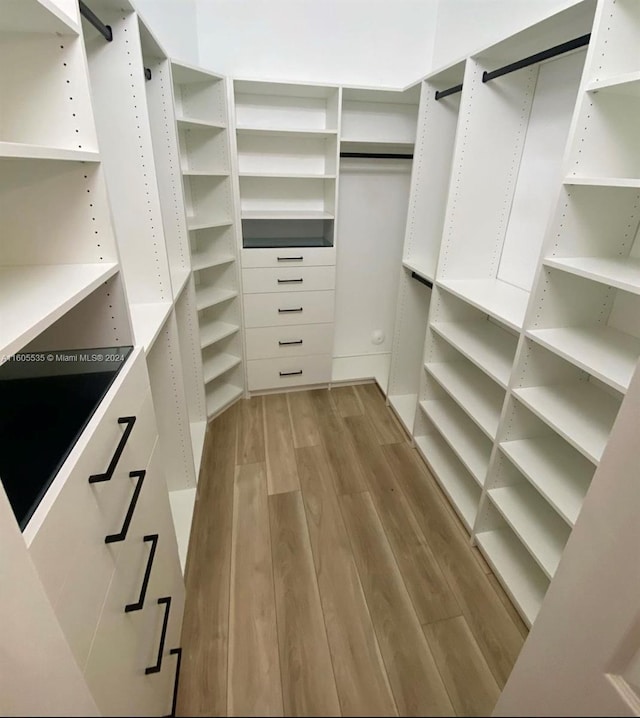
(282, 342)
(287, 279)
(293, 371)
(290, 257)
(286, 308)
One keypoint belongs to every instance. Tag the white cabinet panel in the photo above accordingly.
(288, 279)
(283, 373)
(286, 308)
(283, 342)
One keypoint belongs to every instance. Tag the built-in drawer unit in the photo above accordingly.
(292, 371)
(289, 341)
(287, 308)
(287, 279)
(289, 257)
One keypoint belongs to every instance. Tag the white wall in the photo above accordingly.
(174, 23)
(353, 42)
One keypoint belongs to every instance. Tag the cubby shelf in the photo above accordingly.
(405, 407)
(619, 272)
(540, 529)
(194, 123)
(210, 296)
(603, 181)
(203, 173)
(215, 332)
(147, 320)
(578, 411)
(558, 472)
(220, 397)
(285, 214)
(285, 132)
(626, 84)
(471, 446)
(419, 270)
(40, 152)
(194, 223)
(287, 175)
(473, 391)
(606, 353)
(217, 365)
(201, 260)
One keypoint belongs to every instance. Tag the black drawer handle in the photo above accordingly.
(291, 373)
(165, 622)
(114, 538)
(293, 341)
(139, 604)
(175, 652)
(129, 421)
(289, 311)
(290, 259)
(290, 281)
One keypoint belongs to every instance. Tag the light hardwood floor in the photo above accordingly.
(328, 575)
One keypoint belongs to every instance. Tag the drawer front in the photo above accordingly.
(294, 371)
(290, 341)
(287, 308)
(287, 279)
(290, 257)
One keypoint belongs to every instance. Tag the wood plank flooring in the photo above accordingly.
(328, 575)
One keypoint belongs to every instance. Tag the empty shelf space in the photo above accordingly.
(33, 297)
(607, 354)
(39, 152)
(558, 472)
(356, 368)
(147, 320)
(520, 575)
(454, 479)
(542, 531)
(405, 407)
(622, 273)
(287, 175)
(210, 296)
(476, 394)
(627, 84)
(419, 270)
(185, 123)
(470, 445)
(579, 412)
(194, 223)
(285, 132)
(220, 396)
(198, 434)
(216, 331)
(182, 503)
(285, 214)
(486, 345)
(203, 260)
(498, 299)
(603, 181)
(217, 365)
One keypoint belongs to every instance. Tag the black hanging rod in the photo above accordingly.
(538, 57)
(147, 73)
(104, 30)
(451, 91)
(422, 280)
(376, 155)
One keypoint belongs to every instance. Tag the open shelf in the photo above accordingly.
(220, 395)
(194, 123)
(285, 214)
(556, 470)
(404, 406)
(600, 181)
(217, 365)
(147, 320)
(358, 368)
(205, 260)
(500, 300)
(618, 272)
(198, 435)
(215, 332)
(210, 296)
(472, 390)
(471, 446)
(285, 132)
(40, 152)
(419, 270)
(287, 175)
(182, 503)
(626, 84)
(196, 222)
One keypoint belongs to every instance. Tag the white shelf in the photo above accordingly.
(485, 344)
(622, 273)
(33, 297)
(198, 435)
(559, 473)
(201, 260)
(285, 214)
(35, 16)
(285, 132)
(194, 223)
(287, 175)
(204, 173)
(420, 271)
(405, 407)
(215, 331)
(604, 181)
(579, 412)
(194, 123)
(540, 529)
(220, 397)
(521, 577)
(217, 365)
(147, 320)
(607, 354)
(182, 504)
(476, 394)
(40, 152)
(498, 299)
(471, 446)
(179, 279)
(210, 296)
(358, 368)
(454, 479)
(627, 84)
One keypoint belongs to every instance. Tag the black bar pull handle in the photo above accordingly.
(174, 702)
(290, 281)
(122, 535)
(129, 421)
(139, 604)
(165, 623)
(289, 343)
(290, 259)
(291, 373)
(289, 311)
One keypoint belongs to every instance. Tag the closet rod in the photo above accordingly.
(451, 91)
(422, 280)
(376, 155)
(538, 57)
(104, 30)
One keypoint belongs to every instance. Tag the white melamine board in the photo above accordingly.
(285, 107)
(179, 281)
(404, 406)
(191, 123)
(198, 436)
(207, 200)
(203, 150)
(625, 84)
(373, 197)
(471, 446)
(540, 529)
(40, 152)
(452, 476)
(602, 181)
(197, 223)
(215, 331)
(220, 395)
(205, 260)
(182, 505)
(210, 296)
(260, 194)
(622, 273)
(285, 214)
(293, 155)
(540, 167)
(485, 344)
(616, 40)
(287, 175)
(521, 577)
(419, 269)
(607, 354)
(190, 352)
(367, 366)
(37, 16)
(185, 73)
(32, 298)
(558, 472)
(578, 411)
(480, 397)
(147, 320)
(284, 132)
(366, 121)
(498, 299)
(217, 365)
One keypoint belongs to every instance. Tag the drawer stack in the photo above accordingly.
(288, 312)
